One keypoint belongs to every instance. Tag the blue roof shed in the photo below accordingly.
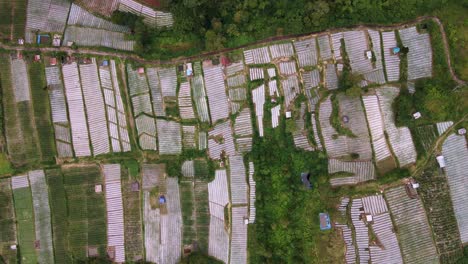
(325, 223)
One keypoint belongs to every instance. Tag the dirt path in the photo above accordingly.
(135, 57)
(12, 28)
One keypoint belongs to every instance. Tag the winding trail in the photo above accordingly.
(127, 55)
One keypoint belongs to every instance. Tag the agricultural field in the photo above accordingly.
(435, 195)
(42, 113)
(24, 212)
(7, 222)
(13, 22)
(20, 129)
(313, 106)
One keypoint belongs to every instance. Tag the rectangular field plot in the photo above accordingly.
(414, 234)
(41, 109)
(86, 210)
(115, 212)
(216, 92)
(80, 17)
(435, 194)
(392, 61)
(220, 139)
(218, 194)
(58, 206)
(169, 137)
(24, 212)
(20, 130)
(238, 181)
(42, 216)
(456, 156)
(46, 16)
(13, 22)
(239, 235)
(420, 52)
(376, 127)
(399, 137)
(132, 218)
(200, 99)
(150, 16)
(97, 37)
(79, 126)
(7, 222)
(306, 52)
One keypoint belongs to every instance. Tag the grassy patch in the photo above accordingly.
(186, 202)
(5, 165)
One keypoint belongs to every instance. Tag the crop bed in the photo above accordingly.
(7, 222)
(425, 136)
(435, 196)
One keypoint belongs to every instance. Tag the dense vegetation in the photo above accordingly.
(206, 25)
(287, 224)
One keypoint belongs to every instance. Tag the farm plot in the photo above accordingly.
(79, 126)
(324, 47)
(376, 127)
(40, 102)
(357, 124)
(146, 128)
(97, 37)
(116, 118)
(335, 147)
(189, 134)
(275, 114)
(331, 79)
(291, 89)
(7, 222)
(215, 88)
(24, 218)
(258, 97)
(361, 232)
(168, 81)
(316, 133)
(281, 50)
(169, 137)
(311, 82)
(426, 135)
(256, 74)
(102, 7)
(287, 68)
(336, 44)
(257, 56)
(46, 16)
(377, 74)
(40, 197)
(306, 51)
(413, 231)
(13, 22)
(59, 111)
(132, 217)
(58, 206)
(252, 193)
(86, 211)
(150, 16)
(195, 214)
(456, 156)
(239, 235)
(20, 133)
(200, 99)
(392, 61)
(238, 181)
(443, 126)
(220, 140)
(185, 102)
(435, 194)
(218, 195)
(80, 17)
(95, 109)
(419, 54)
(234, 68)
(156, 93)
(360, 171)
(400, 138)
(163, 223)
(243, 127)
(115, 213)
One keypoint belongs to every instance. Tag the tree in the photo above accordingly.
(214, 41)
